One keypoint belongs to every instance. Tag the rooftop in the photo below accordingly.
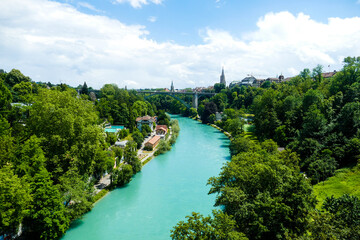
(154, 139)
(328, 74)
(145, 118)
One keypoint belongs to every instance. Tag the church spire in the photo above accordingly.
(222, 77)
(172, 87)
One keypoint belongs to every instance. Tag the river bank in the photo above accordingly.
(104, 184)
(170, 187)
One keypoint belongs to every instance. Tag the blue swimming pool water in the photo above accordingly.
(114, 129)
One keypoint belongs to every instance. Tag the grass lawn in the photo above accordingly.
(346, 180)
(249, 132)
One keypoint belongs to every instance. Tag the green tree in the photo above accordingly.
(119, 153)
(346, 210)
(163, 118)
(266, 120)
(267, 198)
(193, 113)
(211, 118)
(349, 119)
(321, 166)
(22, 92)
(77, 195)
(84, 89)
(339, 219)
(241, 144)
(69, 127)
(266, 84)
(322, 227)
(122, 175)
(220, 100)
(88, 154)
(347, 76)
(111, 138)
(67, 114)
(313, 97)
(198, 227)
(163, 147)
(201, 109)
(305, 74)
(14, 77)
(29, 157)
(140, 108)
(210, 108)
(235, 126)
(280, 135)
(317, 73)
(352, 152)
(305, 147)
(109, 90)
(230, 113)
(145, 129)
(14, 200)
(218, 87)
(123, 133)
(5, 98)
(47, 217)
(6, 142)
(138, 138)
(130, 156)
(314, 125)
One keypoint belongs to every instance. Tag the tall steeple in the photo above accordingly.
(222, 77)
(172, 87)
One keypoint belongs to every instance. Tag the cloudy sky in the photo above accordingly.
(149, 43)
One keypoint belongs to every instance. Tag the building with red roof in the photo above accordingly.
(153, 142)
(161, 129)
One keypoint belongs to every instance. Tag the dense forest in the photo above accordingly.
(53, 149)
(265, 192)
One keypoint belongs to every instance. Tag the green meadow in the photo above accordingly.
(345, 181)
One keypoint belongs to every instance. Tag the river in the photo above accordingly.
(168, 188)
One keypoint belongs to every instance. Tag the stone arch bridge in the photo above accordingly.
(195, 95)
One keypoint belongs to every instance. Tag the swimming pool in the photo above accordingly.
(114, 128)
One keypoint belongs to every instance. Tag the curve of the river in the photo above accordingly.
(168, 188)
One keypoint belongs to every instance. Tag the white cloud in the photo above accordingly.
(138, 3)
(219, 3)
(152, 19)
(88, 6)
(50, 41)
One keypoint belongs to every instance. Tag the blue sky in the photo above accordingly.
(182, 21)
(149, 43)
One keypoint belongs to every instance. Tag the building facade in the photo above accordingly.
(140, 121)
(153, 142)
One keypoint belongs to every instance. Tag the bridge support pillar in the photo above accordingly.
(195, 101)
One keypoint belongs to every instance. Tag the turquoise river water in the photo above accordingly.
(168, 188)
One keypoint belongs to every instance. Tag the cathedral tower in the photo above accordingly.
(222, 77)
(172, 87)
